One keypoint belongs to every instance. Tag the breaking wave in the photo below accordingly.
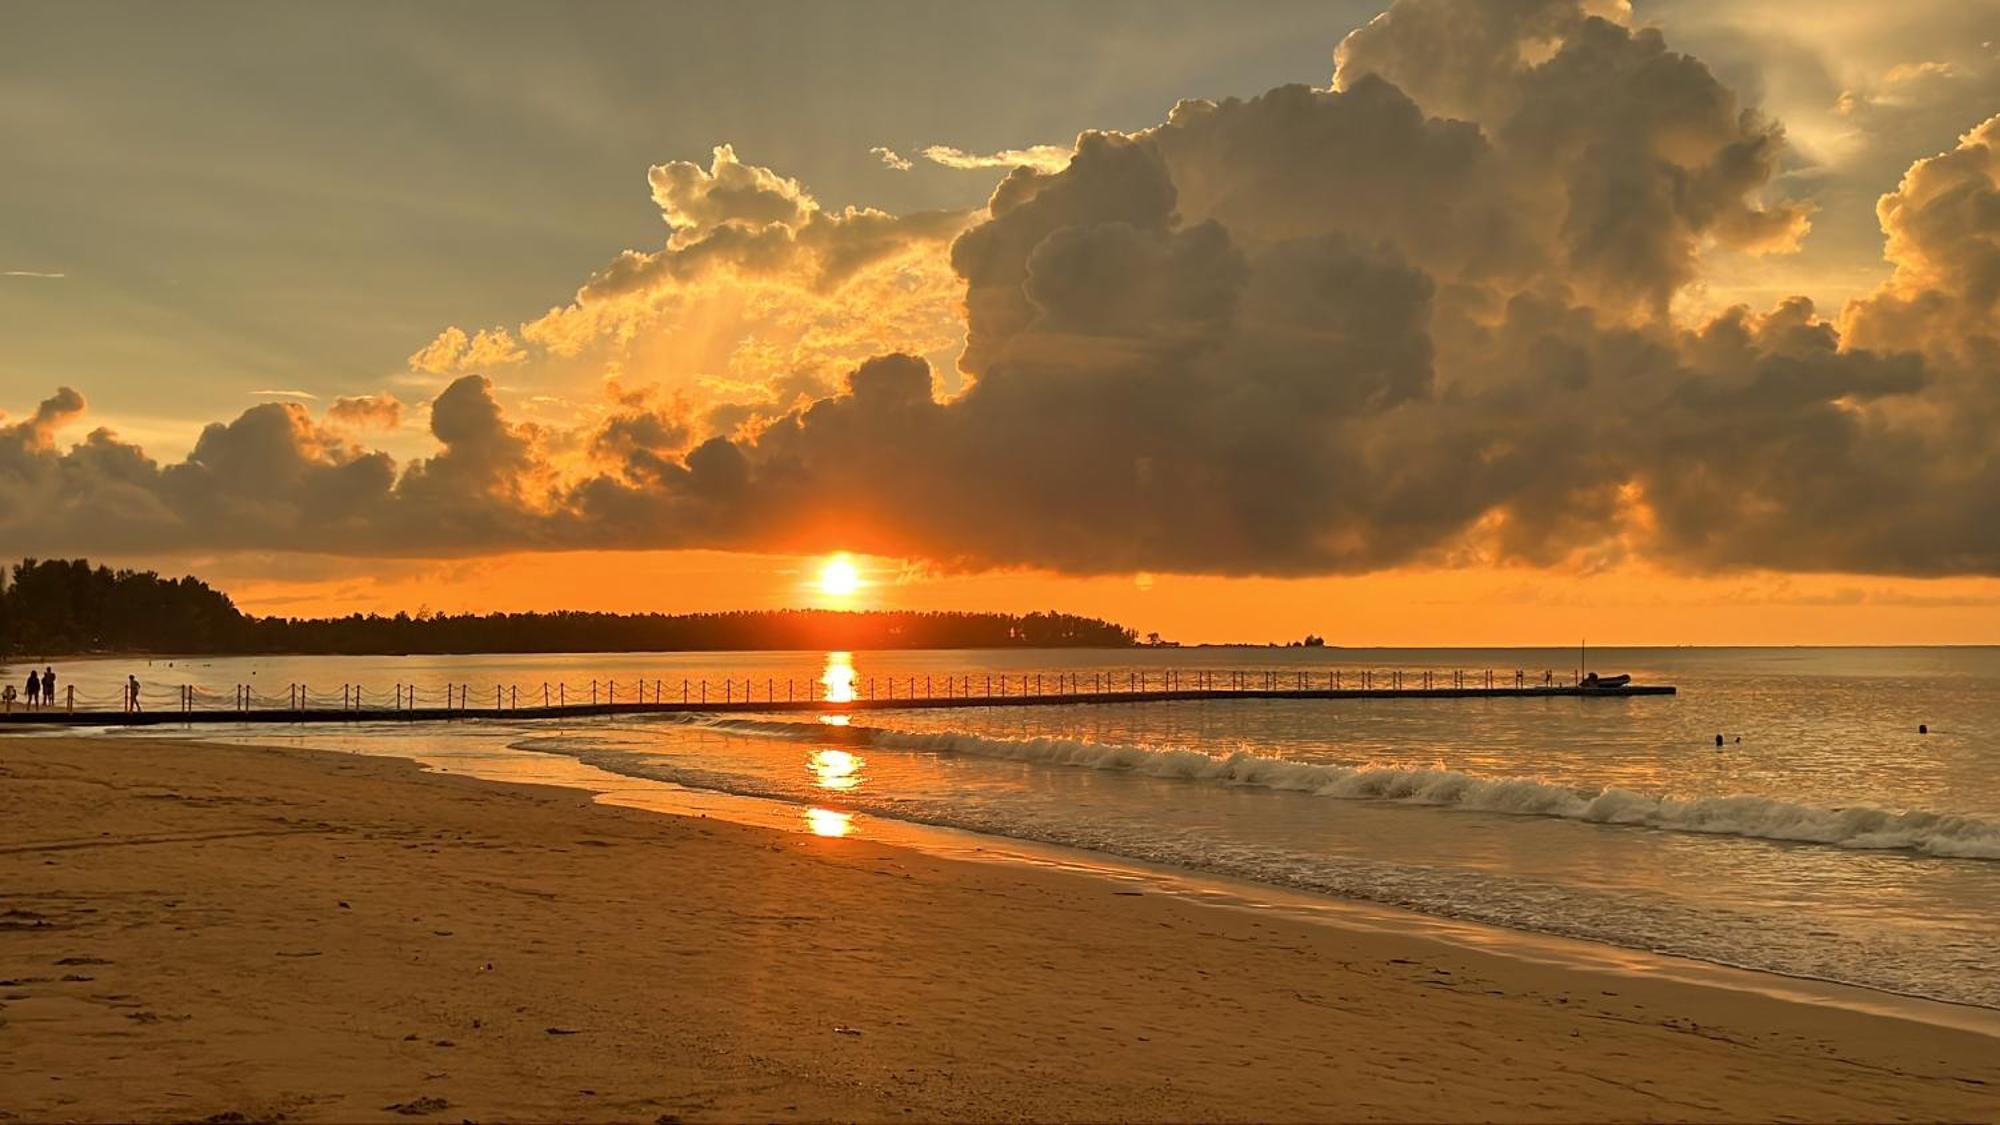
(1857, 826)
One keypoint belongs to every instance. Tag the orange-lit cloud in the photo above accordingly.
(454, 351)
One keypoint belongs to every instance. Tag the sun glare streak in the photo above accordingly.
(838, 678)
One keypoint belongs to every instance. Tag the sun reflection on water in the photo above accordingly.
(827, 822)
(835, 769)
(838, 678)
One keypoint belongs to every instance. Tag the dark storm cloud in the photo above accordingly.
(1419, 317)
(1629, 153)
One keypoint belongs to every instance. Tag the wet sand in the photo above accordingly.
(189, 931)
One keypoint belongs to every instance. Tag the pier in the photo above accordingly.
(643, 696)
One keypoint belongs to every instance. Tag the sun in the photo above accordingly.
(838, 577)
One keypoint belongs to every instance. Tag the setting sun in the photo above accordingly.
(839, 578)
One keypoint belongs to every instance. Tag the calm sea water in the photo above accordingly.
(1826, 838)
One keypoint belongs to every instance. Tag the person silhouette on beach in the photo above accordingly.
(34, 689)
(132, 693)
(49, 686)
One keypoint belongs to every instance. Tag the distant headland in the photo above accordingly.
(60, 607)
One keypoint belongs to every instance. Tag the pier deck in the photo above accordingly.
(351, 714)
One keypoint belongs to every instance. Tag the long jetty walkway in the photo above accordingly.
(640, 696)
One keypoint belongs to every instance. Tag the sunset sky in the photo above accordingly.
(1479, 323)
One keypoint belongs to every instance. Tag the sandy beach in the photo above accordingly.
(193, 932)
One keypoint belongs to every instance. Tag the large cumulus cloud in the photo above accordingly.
(1422, 315)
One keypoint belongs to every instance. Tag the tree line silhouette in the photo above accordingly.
(61, 607)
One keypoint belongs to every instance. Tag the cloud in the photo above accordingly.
(1943, 229)
(366, 412)
(454, 351)
(695, 200)
(766, 298)
(1908, 72)
(1047, 158)
(285, 394)
(35, 275)
(1635, 155)
(1864, 91)
(891, 159)
(37, 433)
(1421, 317)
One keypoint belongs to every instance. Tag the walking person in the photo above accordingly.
(49, 686)
(34, 689)
(132, 693)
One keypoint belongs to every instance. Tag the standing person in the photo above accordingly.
(132, 693)
(49, 685)
(34, 689)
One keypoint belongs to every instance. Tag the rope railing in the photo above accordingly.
(639, 692)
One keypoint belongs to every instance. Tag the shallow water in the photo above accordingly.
(1831, 841)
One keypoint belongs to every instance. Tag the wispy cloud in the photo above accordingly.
(892, 159)
(286, 394)
(1048, 158)
(37, 274)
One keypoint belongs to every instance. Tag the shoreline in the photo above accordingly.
(325, 935)
(1233, 892)
(1321, 906)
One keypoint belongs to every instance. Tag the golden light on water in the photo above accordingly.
(827, 822)
(838, 678)
(839, 577)
(835, 769)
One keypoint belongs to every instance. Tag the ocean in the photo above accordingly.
(1826, 838)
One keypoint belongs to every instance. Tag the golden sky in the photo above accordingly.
(1433, 322)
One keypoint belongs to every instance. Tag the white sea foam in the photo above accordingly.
(1766, 818)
